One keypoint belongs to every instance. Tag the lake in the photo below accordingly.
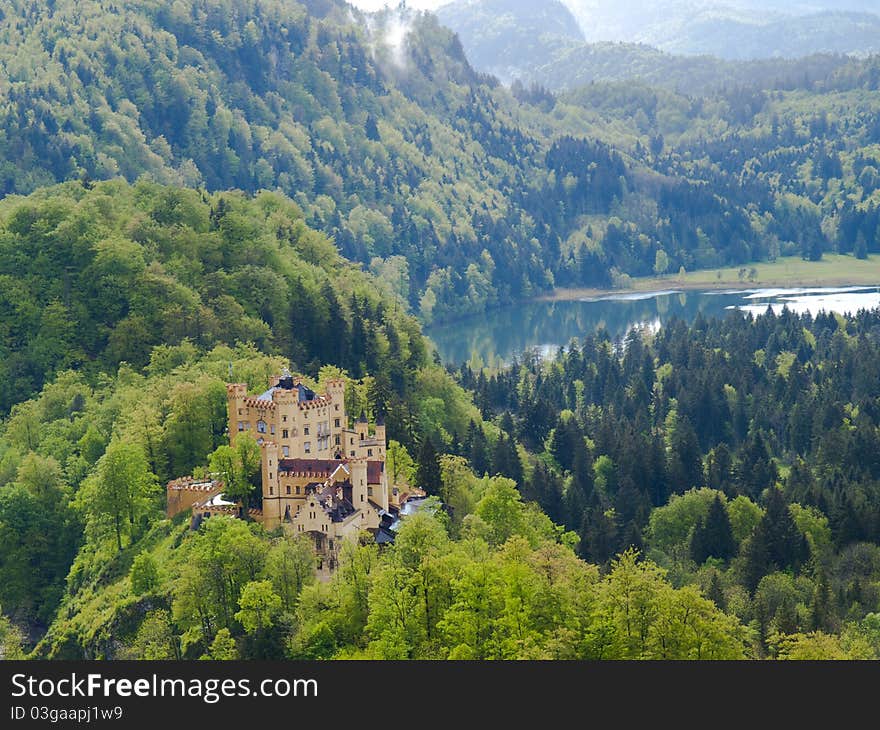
(498, 336)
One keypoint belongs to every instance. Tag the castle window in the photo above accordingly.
(297, 490)
(261, 426)
(239, 411)
(288, 490)
(241, 425)
(369, 491)
(337, 439)
(270, 476)
(284, 419)
(271, 491)
(284, 433)
(337, 406)
(307, 447)
(352, 453)
(247, 426)
(272, 429)
(336, 422)
(362, 498)
(369, 452)
(306, 431)
(331, 543)
(351, 441)
(285, 450)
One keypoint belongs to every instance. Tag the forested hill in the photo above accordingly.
(678, 48)
(726, 29)
(458, 193)
(99, 275)
(378, 127)
(124, 309)
(509, 38)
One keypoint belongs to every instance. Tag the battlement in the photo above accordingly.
(185, 492)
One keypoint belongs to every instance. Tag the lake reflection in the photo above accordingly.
(499, 336)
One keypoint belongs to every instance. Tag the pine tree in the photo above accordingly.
(546, 490)
(476, 449)
(371, 129)
(565, 441)
(598, 534)
(776, 544)
(582, 476)
(713, 537)
(632, 537)
(428, 475)
(719, 469)
(505, 459)
(685, 464)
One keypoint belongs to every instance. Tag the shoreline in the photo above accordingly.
(834, 270)
(671, 287)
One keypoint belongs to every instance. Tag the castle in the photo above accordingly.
(320, 476)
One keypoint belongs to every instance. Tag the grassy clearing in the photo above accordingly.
(791, 271)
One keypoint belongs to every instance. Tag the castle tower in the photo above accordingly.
(380, 437)
(362, 427)
(382, 499)
(359, 494)
(235, 395)
(271, 491)
(336, 391)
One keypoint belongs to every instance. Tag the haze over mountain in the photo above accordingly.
(733, 30)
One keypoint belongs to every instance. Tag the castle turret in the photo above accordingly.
(235, 395)
(362, 427)
(359, 493)
(335, 390)
(271, 491)
(380, 436)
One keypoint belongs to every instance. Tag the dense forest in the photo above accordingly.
(128, 308)
(208, 190)
(459, 193)
(740, 455)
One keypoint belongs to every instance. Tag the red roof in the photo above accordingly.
(309, 466)
(374, 471)
(326, 467)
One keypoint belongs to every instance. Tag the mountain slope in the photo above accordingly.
(731, 38)
(378, 128)
(734, 29)
(507, 37)
(95, 276)
(457, 193)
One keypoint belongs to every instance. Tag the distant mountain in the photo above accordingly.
(736, 38)
(617, 62)
(508, 37)
(510, 40)
(735, 29)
